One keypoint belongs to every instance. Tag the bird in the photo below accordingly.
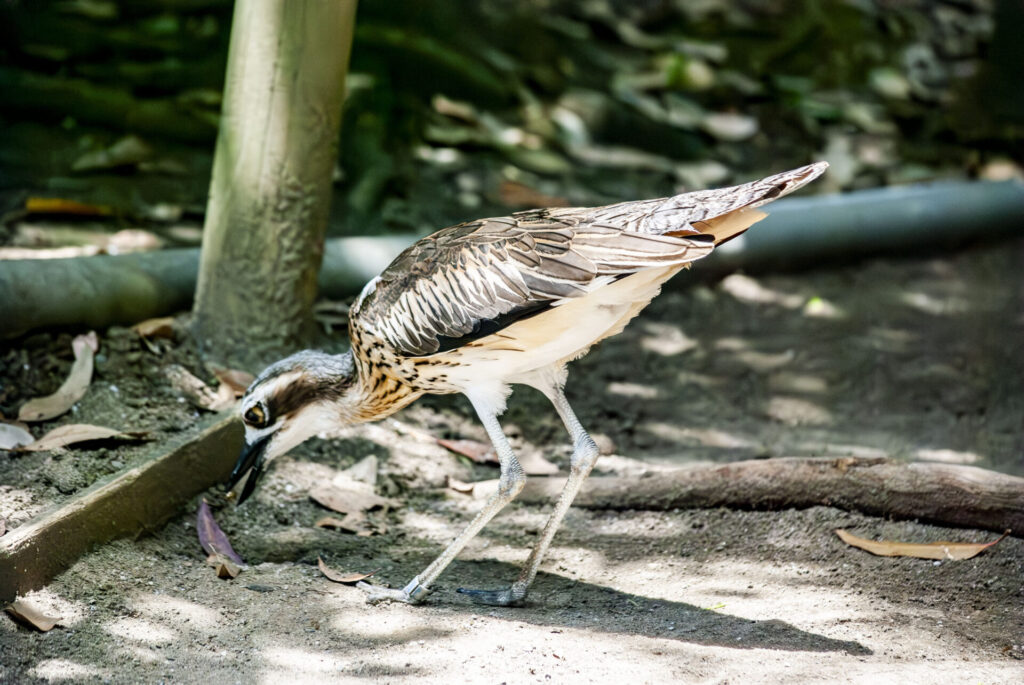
(483, 305)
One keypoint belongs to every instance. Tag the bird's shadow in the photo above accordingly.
(560, 602)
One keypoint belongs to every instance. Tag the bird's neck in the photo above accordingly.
(377, 391)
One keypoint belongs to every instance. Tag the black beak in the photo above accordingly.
(250, 458)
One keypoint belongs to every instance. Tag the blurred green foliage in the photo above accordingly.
(458, 109)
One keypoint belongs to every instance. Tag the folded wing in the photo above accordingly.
(471, 280)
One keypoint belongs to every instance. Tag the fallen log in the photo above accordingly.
(946, 494)
(122, 289)
(103, 290)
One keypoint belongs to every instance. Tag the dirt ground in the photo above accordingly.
(909, 358)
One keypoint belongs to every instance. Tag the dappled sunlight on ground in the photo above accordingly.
(708, 437)
(285, 663)
(62, 670)
(633, 390)
(751, 291)
(140, 630)
(798, 383)
(936, 306)
(665, 339)
(198, 617)
(794, 411)
(830, 363)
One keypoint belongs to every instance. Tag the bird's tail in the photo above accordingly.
(744, 201)
(722, 212)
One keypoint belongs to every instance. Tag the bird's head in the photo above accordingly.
(292, 400)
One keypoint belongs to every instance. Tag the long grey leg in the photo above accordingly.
(583, 458)
(511, 482)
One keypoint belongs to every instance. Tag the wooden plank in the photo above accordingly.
(134, 501)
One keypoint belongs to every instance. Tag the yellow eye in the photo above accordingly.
(255, 416)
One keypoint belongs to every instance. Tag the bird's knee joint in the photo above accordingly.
(511, 484)
(584, 456)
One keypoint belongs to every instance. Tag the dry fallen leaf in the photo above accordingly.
(56, 205)
(25, 613)
(536, 465)
(238, 381)
(480, 452)
(378, 528)
(12, 436)
(128, 151)
(74, 433)
(333, 575)
(518, 195)
(348, 500)
(197, 392)
(356, 522)
(162, 327)
(363, 471)
(73, 389)
(460, 486)
(211, 537)
(930, 550)
(224, 567)
(331, 522)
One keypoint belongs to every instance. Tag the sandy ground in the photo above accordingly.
(915, 359)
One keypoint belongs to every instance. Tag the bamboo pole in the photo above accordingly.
(270, 190)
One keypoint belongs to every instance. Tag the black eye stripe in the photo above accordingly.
(292, 398)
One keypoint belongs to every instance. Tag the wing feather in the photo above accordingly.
(474, 279)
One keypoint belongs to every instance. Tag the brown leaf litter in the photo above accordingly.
(28, 615)
(337, 577)
(161, 327)
(74, 433)
(73, 389)
(942, 550)
(197, 392)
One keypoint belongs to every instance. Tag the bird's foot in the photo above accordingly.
(413, 593)
(512, 596)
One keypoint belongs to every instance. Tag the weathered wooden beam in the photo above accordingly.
(131, 502)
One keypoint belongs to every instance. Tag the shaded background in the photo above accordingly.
(457, 110)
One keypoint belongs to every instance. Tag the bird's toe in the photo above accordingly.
(376, 594)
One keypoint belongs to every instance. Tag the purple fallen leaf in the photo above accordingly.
(211, 537)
